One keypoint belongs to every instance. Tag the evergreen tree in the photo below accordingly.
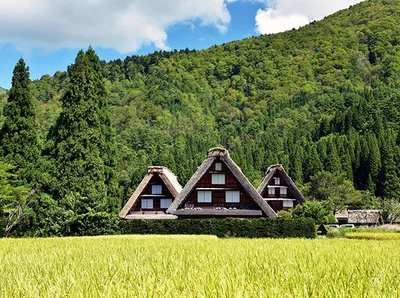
(313, 163)
(374, 162)
(18, 136)
(346, 165)
(83, 148)
(296, 167)
(363, 170)
(389, 175)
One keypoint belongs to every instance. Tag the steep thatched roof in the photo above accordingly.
(271, 173)
(361, 217)
(213, 154)
(166, 176)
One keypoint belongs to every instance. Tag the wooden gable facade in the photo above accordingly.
(219, 189)
(153, 196)
(279, 190)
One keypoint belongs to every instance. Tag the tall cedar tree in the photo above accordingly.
(19, 143)
(84, 148)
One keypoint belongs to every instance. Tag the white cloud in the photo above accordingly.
(251, 1)
(282, 15)
(124, 25)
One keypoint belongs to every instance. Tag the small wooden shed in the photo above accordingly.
(322, 230)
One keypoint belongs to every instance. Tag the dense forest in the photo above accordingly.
(322, 100)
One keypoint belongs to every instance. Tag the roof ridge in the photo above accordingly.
(218, 151)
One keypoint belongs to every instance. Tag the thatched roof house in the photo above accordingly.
(153, 196)
(359, 217)
(219, 189)
(279, 190)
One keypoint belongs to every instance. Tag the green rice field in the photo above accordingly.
(198, 266)
(373, 236)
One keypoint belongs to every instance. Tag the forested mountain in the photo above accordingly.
(324, 97)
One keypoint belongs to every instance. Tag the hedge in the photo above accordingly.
(103, 223)
(229, 227)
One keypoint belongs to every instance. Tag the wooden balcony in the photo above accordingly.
(218, 212)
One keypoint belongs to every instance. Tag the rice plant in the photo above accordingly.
(198, 266)
(374, 236)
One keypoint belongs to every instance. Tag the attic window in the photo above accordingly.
(156, 189)
(218, 179)
(218, 166)
(271, 191)
(283, 191)
(277, 180)
(204, 196)
(147, 203)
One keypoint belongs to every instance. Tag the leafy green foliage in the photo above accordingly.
(391, 210)
(314, 210)
(13, 198)
(334, 190)
(322, 98)
(229, 227)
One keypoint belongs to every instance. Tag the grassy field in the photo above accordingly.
(198, 266)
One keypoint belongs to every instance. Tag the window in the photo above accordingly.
(287, 204)
(147, 203)
(218, 179)
(271, 191)
(165, 203)
(204, 196)
(232, 196)
(277, 180)
(218, 166)
(284, 191)
(156, 189)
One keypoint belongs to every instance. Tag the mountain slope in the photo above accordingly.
(325, 97)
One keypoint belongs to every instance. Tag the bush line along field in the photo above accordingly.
(228, 227)
(197, 266)
(373, 236)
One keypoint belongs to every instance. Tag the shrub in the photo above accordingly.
(373, 236)
(333, 233)
(94, 223)
(228, 227)
(311, 209)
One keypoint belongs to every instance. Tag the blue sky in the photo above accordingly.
(48, 34)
